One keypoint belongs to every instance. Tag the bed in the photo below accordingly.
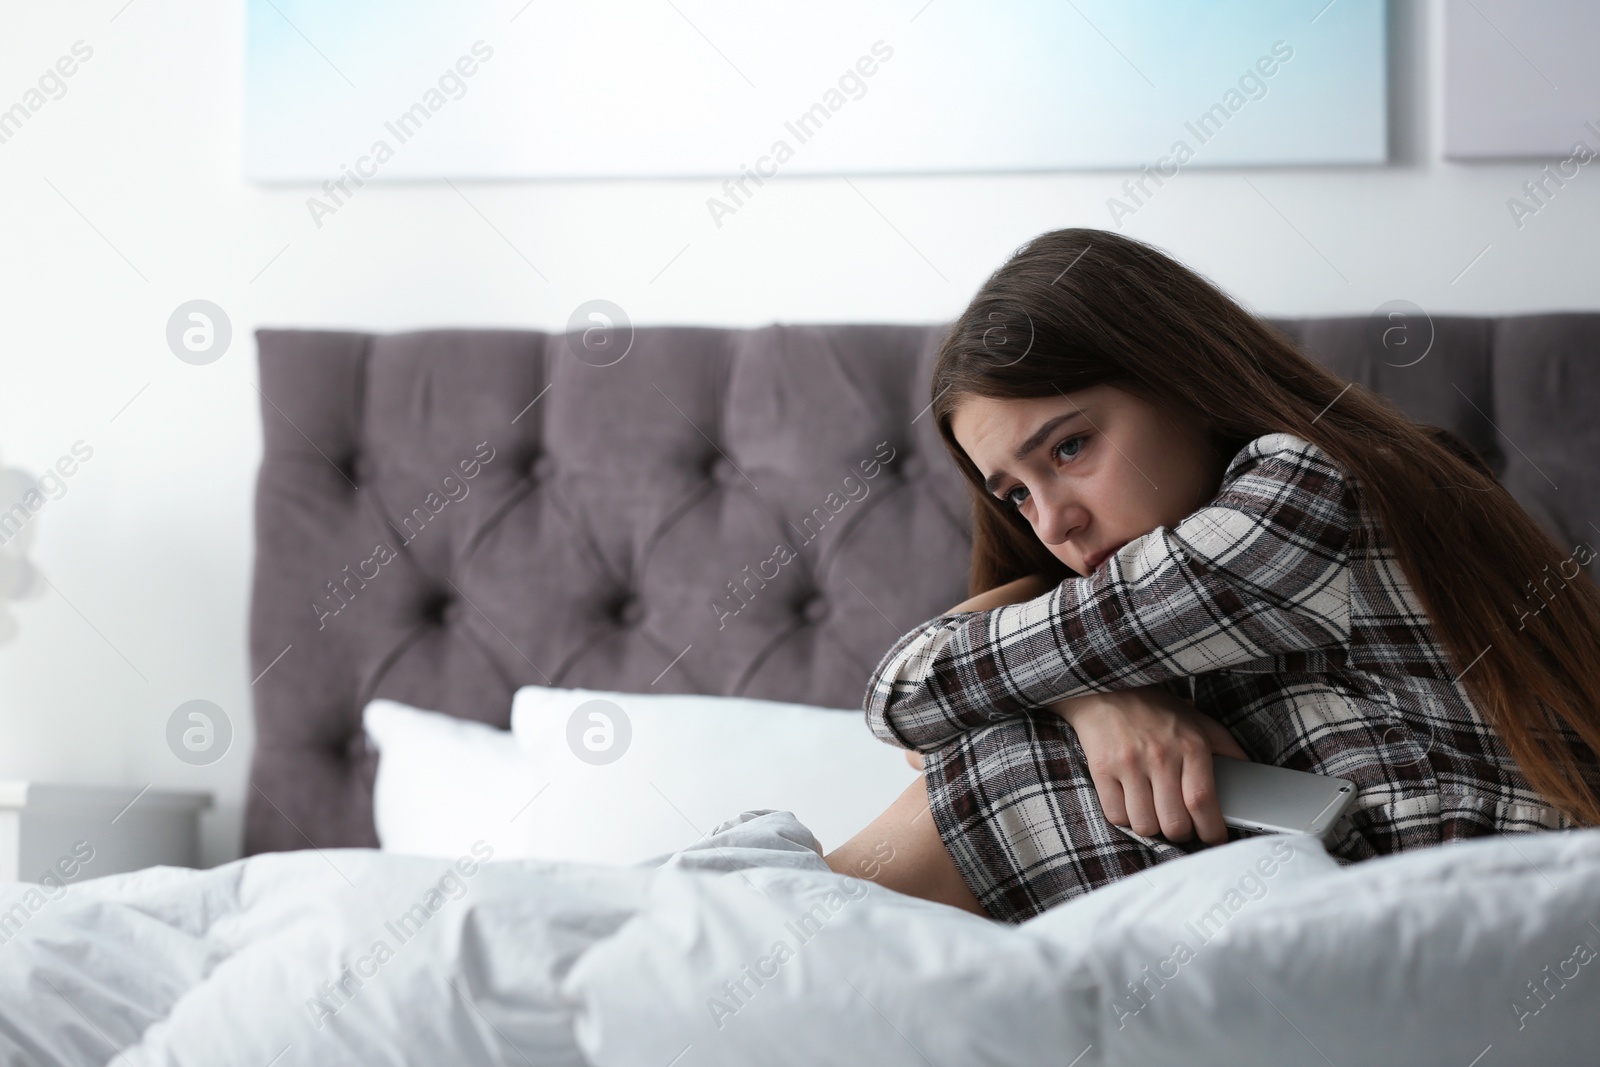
(618, 504)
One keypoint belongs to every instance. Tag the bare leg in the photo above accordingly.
(901, 850)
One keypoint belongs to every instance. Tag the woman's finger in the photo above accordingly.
(1200, 799)
(1112, 803)
(1221, 741)
(1141, 806)
(1176, 825)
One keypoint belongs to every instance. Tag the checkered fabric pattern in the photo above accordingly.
(1304, 641)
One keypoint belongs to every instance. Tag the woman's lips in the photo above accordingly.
(1093, 562)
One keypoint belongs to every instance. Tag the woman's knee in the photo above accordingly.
(1042, 750)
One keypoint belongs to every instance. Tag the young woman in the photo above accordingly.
(1189, 538)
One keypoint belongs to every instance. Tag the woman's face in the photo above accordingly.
(1090, 470)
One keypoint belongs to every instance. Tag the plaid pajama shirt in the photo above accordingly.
(1307, 644)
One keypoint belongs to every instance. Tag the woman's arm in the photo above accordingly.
(1012, 592)
(1149, 755)
(1261, 570)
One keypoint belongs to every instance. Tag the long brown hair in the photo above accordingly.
(1075, 308)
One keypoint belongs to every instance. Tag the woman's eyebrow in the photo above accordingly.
(991, 483)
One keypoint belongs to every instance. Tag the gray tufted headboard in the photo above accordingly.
(443, 516)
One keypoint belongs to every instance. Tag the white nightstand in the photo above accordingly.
(72, 832)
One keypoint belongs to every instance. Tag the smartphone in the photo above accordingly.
(1278, 800)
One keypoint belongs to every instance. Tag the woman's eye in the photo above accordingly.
(1069, 449)
(1070, 441)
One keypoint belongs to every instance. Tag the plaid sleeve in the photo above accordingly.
(1261, 570)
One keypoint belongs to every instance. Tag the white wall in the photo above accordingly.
(149, 550)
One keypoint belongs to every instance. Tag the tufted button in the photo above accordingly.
(910, 466)
(629, 610)
(722, 471)
(542, 467)
(353, 467)
(434, 607)
(814, 609)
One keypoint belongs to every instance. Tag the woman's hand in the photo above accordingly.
(1150, 758)
(1013, 592)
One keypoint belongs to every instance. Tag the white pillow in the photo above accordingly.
(444, 783)
(690, 763)
(633, 776)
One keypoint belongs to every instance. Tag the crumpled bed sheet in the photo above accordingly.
(746, 949)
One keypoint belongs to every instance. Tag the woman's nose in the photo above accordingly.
(1056, 518)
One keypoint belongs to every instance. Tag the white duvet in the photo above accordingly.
(746, 950)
